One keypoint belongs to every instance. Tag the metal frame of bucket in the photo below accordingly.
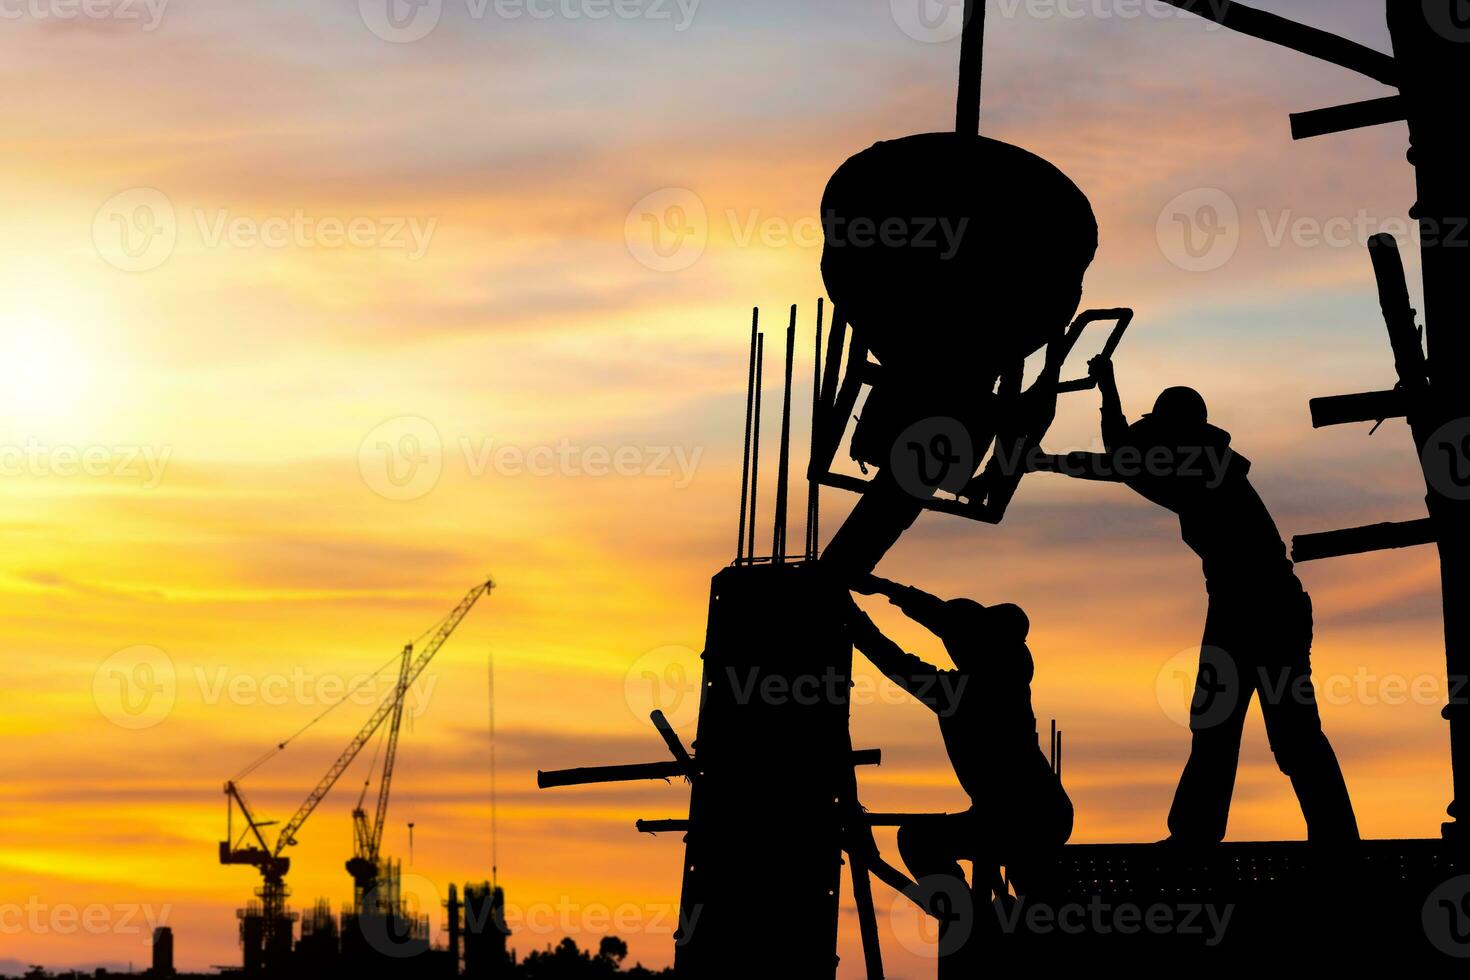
(987, 492)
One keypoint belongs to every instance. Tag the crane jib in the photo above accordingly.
(287, 836)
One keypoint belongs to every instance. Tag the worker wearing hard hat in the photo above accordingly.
(989, 729)
(1258, 631)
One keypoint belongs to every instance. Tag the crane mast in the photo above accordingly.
(389, 754)
(367, 839)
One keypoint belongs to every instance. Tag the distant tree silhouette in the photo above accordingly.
(569, 962)
(612, 948)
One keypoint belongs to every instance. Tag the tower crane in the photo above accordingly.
(254, 849)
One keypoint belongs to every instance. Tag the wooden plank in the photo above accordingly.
(862, 897)
(611, 774)
(670, 737)
(1342, 118)
(842, 481)
(654, 770)
(1367, 406)
(1361, 540)
(1401, 321)
(1298, 37)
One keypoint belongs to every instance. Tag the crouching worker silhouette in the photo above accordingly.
(1019, 808)
(1258, 630)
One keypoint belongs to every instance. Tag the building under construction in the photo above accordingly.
(381, 937)
(924, 364)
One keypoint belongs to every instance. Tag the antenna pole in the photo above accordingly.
(494, 801)
(755, 319)
(972, 51)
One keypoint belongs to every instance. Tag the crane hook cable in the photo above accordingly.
(280, 746)
(371, 769)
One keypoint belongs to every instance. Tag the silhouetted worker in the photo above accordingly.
(1258, 631)
(984, 710)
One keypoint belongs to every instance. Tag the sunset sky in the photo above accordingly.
(307, 326)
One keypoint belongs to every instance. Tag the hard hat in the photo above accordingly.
(1180, 406)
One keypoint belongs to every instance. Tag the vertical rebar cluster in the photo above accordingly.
(745, 550)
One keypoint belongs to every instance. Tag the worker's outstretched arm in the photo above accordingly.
(925, 609)
(1114, 422)
(904, 669)
(1098, 467)
(1092, 466)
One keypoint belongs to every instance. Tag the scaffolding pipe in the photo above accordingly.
(755, 442)
(783, 464)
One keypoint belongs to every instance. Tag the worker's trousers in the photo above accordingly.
(1258, 645)
(1029, 820)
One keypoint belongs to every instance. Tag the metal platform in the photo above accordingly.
(1268, 903)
